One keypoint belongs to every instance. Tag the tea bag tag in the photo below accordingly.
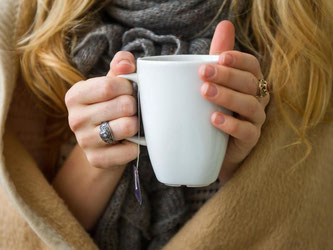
(137, 188)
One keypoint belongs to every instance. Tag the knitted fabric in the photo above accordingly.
(147, 28)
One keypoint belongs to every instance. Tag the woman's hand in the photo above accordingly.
(110, 99)
(233, 84)
(92, 170)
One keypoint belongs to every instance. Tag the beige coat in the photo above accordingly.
(266, 205)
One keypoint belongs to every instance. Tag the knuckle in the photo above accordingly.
(132, 152)
(127, 105)
(262, 118)
(96, 160)
(83, 140)
(255, 61)
(123, 160)
(75, 121)
(267, 99)
(129, 155)
(108, 86)
(252, 106)
(256, 66)
(253, 136)
(68, 98)
(71, 97)
(234, 127)
(128, 127)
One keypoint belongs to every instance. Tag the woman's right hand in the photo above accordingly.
(110, 99)
(93, 169)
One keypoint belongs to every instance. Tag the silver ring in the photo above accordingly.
(105, 133)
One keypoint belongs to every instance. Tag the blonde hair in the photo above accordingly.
(44, 51)
(292, 39)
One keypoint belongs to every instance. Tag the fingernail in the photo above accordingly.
(227, 59)
(218, 119)
(209, 90)
(125, 61)
(208, 71)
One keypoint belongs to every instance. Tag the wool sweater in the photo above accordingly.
(268, 204)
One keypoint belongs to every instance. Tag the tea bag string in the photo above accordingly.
(139, 129)
(137, 188)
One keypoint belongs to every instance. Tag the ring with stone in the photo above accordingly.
(263, 88)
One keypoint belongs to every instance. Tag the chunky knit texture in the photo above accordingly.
(148, 28)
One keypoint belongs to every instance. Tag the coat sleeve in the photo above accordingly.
(31, 208)
(271, 203)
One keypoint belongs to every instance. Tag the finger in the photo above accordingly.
(99, 89)
(223, 39)
(241, 61)
(121, 106)
(122, 63)
(245, 105)
(242, 130)
(124, 127)
(235, 79)
(264, 100)
(121, 128)
(113, 155)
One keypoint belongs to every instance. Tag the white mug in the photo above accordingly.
(183, 146)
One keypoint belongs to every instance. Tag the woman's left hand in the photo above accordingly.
(233, 84)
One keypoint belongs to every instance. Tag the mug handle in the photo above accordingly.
(136, 139)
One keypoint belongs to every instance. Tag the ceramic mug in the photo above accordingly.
(183, 146)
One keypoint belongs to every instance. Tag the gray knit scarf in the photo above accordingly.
(145, 27)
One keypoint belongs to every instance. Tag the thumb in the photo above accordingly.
(123, 62)
(223, 39)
